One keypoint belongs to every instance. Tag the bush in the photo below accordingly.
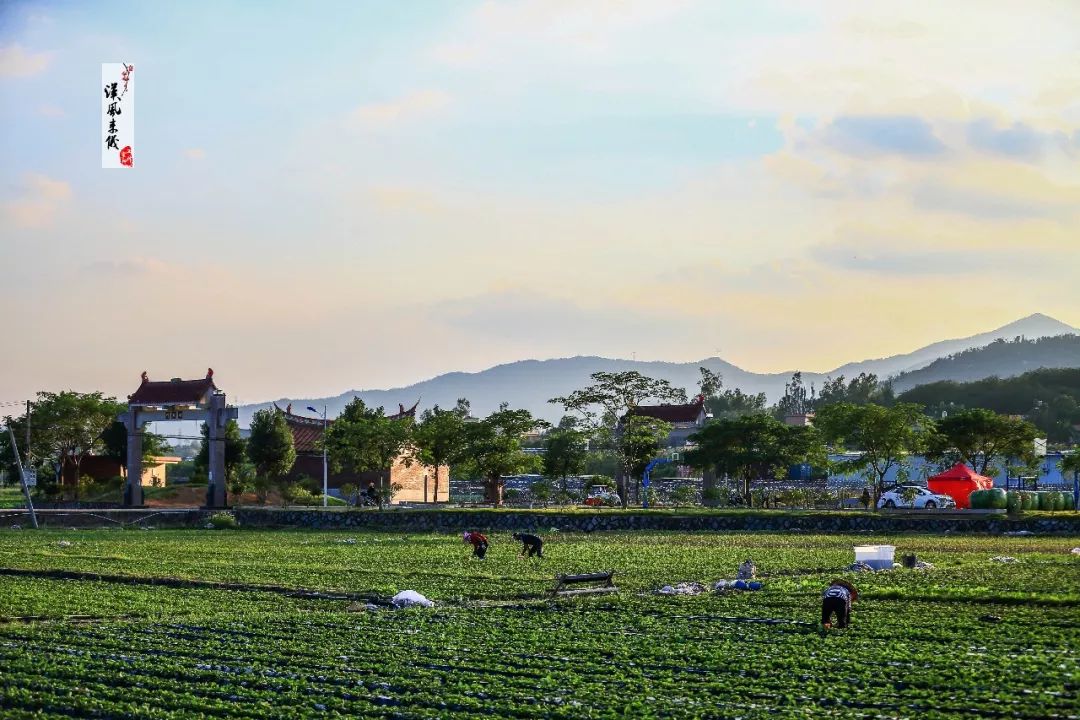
(1028, 501)
(979, 499)
(1045, 500)
(223, 521)
(684, 495)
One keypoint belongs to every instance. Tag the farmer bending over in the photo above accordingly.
(531, 544)
(837, 599)
(479, 543)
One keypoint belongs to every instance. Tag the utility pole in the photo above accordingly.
(22, 478)
(27, 432)
(325, 489)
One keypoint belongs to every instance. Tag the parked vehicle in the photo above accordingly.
(601, 495)
(914, 496)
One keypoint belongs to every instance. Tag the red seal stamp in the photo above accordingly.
(125, 156)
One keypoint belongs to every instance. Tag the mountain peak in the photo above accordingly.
(1038, 324)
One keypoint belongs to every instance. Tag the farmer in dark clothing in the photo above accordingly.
(479, 543)
(531, 544)
(837, 600)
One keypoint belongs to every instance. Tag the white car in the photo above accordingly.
(914, 496)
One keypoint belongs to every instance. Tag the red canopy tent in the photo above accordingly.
(958, 482)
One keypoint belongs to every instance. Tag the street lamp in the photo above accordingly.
(325, 491)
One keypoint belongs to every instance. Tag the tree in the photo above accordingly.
(605, 405)
(615, 394)
(733, 403)
(886, 437)
(980, 437)
(235, 453)
(710, 382)
(270, 448)
(565, 451)
(752, 448)
(796, 399)
(638, 441)
(69, 426)
(493, 447)
(541, 491)
(440, 438)
(1070, 463)
(115, 444)
(862, 390)
(363, 439)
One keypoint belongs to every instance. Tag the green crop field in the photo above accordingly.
(971, 637)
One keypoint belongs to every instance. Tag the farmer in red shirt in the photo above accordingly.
(479, 543)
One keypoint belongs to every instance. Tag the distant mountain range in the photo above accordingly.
(530, 383)
(1001, 358)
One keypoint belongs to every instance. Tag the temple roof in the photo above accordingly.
(686, 413)
(173, 392)
(307, 431)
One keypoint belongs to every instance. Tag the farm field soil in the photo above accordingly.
(922, 642)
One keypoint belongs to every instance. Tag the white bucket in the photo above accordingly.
(879, 557)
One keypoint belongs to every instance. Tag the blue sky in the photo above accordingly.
(666, 178)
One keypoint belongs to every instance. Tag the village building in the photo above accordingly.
(100, 468)
(419, 483)
(686, 419)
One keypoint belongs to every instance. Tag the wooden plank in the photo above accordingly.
(590, 577)
(587, 591)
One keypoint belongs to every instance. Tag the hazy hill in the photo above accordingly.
(1001, 358)
(530, 383)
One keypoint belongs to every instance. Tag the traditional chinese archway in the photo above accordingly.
(176, 399)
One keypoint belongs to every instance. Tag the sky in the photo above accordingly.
(349, 195)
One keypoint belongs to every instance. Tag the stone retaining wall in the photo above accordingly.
(508, 521)
(83, 518)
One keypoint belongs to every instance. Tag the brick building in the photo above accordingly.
(419, 483)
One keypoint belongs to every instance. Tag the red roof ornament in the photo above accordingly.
(209, 373)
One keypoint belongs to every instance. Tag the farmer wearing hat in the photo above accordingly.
(479, 543)
(837, 600)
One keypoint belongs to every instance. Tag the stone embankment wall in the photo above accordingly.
(110, 518)
(508, 521)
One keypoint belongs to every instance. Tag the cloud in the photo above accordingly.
(1020, 140)
(42, 198)
(408, 107)
(16, 62)
(195, 153)
(130, 267)
(984, 203)
(865, 136)
(891, 256)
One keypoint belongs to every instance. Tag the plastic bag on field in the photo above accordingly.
(1004, 559)
(1075, 551)
(406, 598)
(683, 588)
